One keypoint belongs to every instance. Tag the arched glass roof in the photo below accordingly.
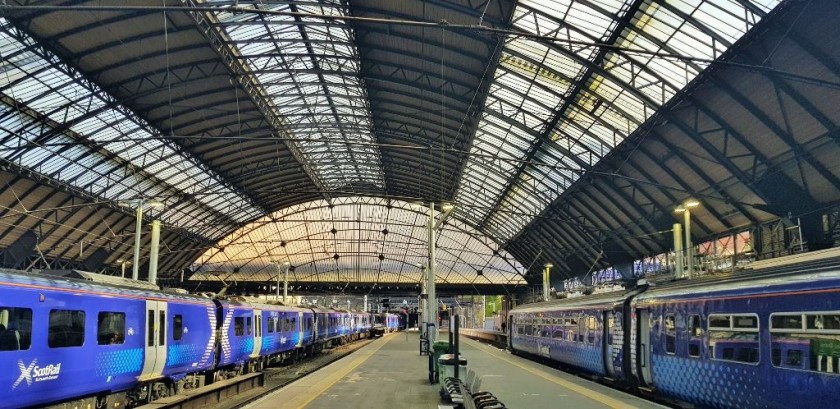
(564, 130)
(357, 240)
(308, 72)
(61, 125)
(564, 104)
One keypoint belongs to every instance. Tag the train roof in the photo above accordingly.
(253, 303)
(64, 282)
(748, 283)
(819, 269)
(612, 298)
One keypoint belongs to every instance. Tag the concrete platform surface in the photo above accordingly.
(521, 383)
(390, 373)
(387, 373)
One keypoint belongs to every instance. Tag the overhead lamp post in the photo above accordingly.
(286, 265)
(685, 209)
(546, 282)
(153, 203)
(123, 262)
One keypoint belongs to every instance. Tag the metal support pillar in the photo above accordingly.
(153, 253)
(285, 283)
(689, 248)
(546, 281)
(277, 288)
(135, 268)
(432, 302)
(678, 252)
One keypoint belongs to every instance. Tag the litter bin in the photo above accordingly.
(446, 363)
(439, 348)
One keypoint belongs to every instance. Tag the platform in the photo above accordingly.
(522, 383)
(390, 373)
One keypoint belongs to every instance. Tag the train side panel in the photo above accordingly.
(191, 332)
(572, 337)
(58, 345)
(779, 349)
(236, 333)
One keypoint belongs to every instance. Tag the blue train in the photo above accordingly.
(766, 339)
(99, 345)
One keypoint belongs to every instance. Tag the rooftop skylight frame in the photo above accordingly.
(320, 84)
(309, 244)
(612, 102)
(109, 140)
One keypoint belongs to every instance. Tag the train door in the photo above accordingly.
(257, 334)
(511, 324)
(644, 349)
(300, 329)
(607, 342)
(155, 342)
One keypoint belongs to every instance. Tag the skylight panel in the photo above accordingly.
(61, 95)
(310, 247)
(605, 110)
(588, 20)
(313, 99)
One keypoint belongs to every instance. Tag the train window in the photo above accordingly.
(786, 321)
(734, 337)
(695, 326)
(15, 328)
(744, 322)
(177, 327)
(520, 330)
(694, 350)
(270, 324)
(111, 328)
(670, 334)
(719, 321)
(695, 332)
(728, 354)
(581, 333)
(162, 333)
(239, 326)
(67, 329)
(248, 325)
(806, 340)
(558, 334)
(590, 327)
(823, 321)
(794, 358)
(150, 330)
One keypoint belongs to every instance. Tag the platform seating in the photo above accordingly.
(467, 394)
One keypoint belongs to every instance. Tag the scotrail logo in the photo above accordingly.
(35, 373)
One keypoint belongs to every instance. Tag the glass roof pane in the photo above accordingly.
(50, 90)
(610, 93)
(330, 100)
(376, 242)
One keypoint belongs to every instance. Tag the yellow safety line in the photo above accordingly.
(336, 376)
(606, 400)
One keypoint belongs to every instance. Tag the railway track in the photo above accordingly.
(240, 391)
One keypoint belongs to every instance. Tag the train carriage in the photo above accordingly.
(284, 330)
(583, 333)
(767, 341)
(63, 339)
